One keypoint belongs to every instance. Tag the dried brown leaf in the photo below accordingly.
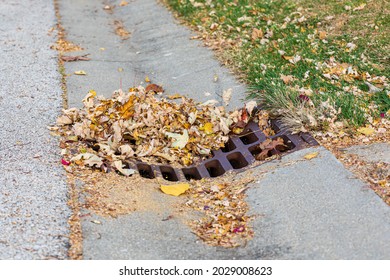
(155, 88)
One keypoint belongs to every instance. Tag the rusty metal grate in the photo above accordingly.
(239, 152)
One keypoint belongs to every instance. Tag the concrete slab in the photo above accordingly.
(305, 209)
(378, 152)
(157, 48)
(33, 189)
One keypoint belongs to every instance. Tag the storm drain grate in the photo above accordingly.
(239, 152)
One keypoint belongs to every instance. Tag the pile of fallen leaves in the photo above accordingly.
(140, 125)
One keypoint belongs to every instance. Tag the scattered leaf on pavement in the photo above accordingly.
(155, 88)
(311, 155)
(123, 3)
(227, 95)
(174, 96)
(176, 189)
(120, 30)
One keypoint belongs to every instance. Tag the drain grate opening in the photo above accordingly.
(168, 173)
(229, 146)
(255, 150)
(237, 160)
(290, 145)
(145, 171)
(276, 126)
(214, 168)
(233, 155)
(191, 173)
(248, 138)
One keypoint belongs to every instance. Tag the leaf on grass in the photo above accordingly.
(176, 189)
(256, 34)
(180, 139)
(292, 59)
(366, 131)
(287, 78)
(311, 155)
(322, 35)
(372, 88)
(360, 7)
(80, 72)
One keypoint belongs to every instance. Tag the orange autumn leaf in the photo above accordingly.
(127, 110)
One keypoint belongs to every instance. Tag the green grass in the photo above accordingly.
(261, 63)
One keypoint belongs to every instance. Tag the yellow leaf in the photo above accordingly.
(361, 7)
(366, 131)
(322, 35)
(123, 3)
(147, 79)
(237, 130)
(80, 72)
(311, 155)
(208, 128)
(174, 96)
(176, 189)
(92, 92)
(286, 57)
(120, 69)
(127, 110)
